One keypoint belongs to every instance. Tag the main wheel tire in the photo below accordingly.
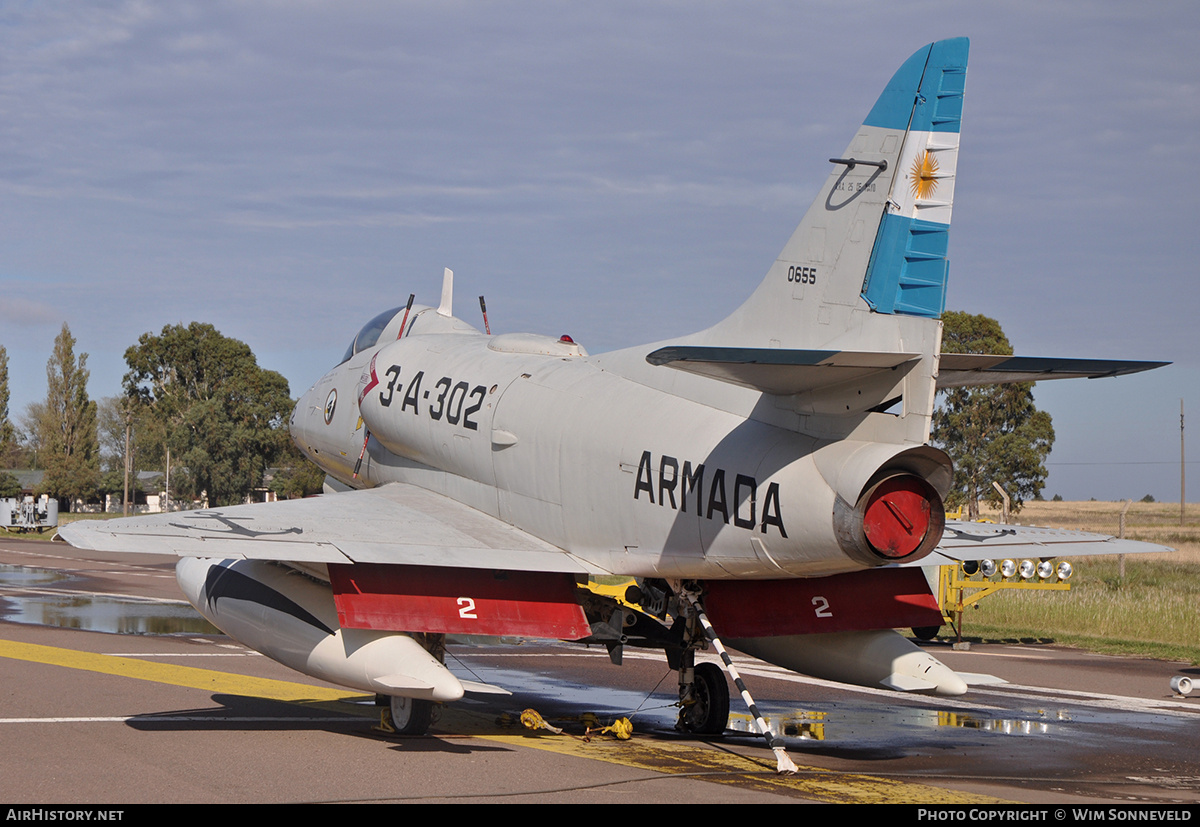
(411, 716)
(709, 715)
(925, 632)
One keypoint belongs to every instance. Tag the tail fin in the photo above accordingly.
(908, 267)
(874, 242)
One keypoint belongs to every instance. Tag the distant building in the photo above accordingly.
(28, 480)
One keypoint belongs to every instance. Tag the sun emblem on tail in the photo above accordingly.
(924, 175)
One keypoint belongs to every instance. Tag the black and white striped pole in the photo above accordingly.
(784, 763)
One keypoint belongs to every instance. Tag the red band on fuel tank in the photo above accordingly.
(878, 599)
(457, 601)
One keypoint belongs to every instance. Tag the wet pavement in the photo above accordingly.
(1025, 738)
(43, 597)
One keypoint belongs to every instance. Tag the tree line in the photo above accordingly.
(195, 405)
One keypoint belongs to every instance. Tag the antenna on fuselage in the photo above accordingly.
(407, 308)
(483, 307)
(444, 309)
(363, 452)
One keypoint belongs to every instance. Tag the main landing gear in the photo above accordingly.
(641, 619)
(703, 692)
(703, 698)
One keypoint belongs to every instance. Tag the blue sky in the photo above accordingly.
(621, 172)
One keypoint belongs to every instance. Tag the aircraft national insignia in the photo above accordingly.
(330, 405)
(924, 175)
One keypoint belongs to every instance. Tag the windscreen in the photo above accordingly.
(369, 335)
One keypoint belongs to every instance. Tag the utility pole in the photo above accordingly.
(1004, 514)
(1121, 535)
(1182, 465)
(125, 496)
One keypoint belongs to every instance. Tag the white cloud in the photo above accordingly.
(19, 312)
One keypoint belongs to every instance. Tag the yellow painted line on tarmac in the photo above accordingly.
(717, 764)
(680, 758)
(189, 676)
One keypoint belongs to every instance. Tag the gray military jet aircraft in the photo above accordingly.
(766, 480)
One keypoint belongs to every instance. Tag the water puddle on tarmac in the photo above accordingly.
(868, 722)
(39, 597)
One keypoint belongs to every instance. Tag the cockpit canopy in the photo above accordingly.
(390, 320)
(369, 335)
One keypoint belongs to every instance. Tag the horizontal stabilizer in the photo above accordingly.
(978, 541)
(776, 370)
(962, 370)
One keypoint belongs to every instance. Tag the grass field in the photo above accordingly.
(1153, 610)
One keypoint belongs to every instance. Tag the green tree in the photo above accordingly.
(220, 415)
(993, 433)
(297, 475)
(65, 425)
(7, 432)
(10, 486)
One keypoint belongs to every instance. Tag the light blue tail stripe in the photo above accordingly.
(926, 92)
(895, 104)
(908, 267)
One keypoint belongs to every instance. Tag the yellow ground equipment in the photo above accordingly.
(969, 582)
